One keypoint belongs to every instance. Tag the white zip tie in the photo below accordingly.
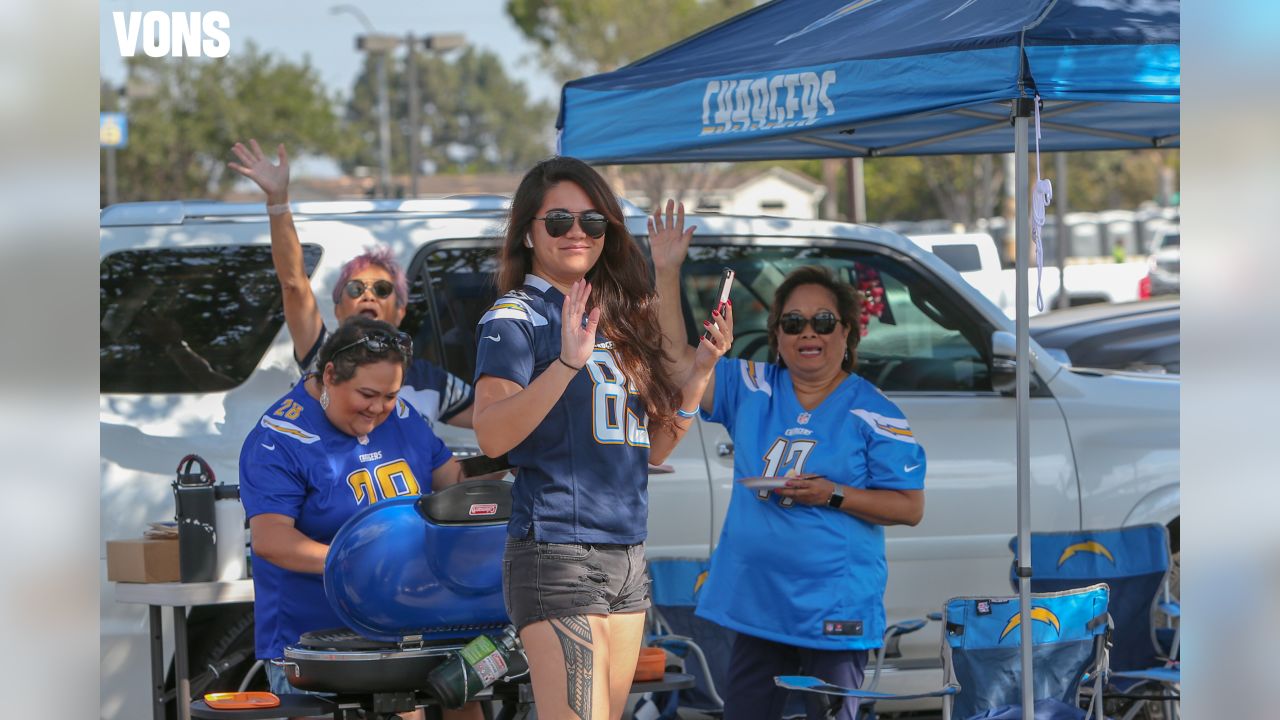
(1041, 196)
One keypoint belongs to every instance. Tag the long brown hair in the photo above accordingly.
(620, 283)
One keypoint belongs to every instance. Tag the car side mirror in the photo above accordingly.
(1004, 365)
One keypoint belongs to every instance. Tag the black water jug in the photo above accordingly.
(194, 499)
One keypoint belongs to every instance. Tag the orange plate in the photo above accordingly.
(650, 665)
(241, 700)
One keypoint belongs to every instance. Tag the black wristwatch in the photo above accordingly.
(837, 497)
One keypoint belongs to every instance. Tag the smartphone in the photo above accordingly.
(722, 293)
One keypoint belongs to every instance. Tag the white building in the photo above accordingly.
(776, 191)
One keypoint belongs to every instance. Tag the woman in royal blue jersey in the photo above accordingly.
(799, 571)
(339, 441)
(580, 407)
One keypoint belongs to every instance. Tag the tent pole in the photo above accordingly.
(1022, 204)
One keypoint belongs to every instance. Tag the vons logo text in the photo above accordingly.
(173, 34)
(762, 103)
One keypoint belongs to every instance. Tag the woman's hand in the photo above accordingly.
(577, 342)
(720, 331)
(668, 238)
(808, 489)
(273, 179)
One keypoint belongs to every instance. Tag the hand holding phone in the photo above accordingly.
(722, 293)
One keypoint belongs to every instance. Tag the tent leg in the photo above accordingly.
(1023, 395)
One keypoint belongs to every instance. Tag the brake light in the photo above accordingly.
(1144, 287)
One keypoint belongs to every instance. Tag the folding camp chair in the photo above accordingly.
(982, 665)
(1134, 563)
(705, 647)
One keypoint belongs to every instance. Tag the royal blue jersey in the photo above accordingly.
(296, 463)
(583, 472)
(433, 391)
(806, 576)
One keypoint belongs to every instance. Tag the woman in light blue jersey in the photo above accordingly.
(571, 385)
(824, 461)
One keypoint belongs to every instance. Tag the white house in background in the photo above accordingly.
(776, 191)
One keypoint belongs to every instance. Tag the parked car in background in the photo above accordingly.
(1164, 263)
(193, 349)
(1143, 336)
(974, 256)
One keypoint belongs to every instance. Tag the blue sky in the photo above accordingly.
(294, 29)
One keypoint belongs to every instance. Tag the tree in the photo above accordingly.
(576, 38)
(474, 117)
(584, 37)
(182, 127)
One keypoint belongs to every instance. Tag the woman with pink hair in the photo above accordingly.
(371, 284)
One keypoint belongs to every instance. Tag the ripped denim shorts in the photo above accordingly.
(541, 580)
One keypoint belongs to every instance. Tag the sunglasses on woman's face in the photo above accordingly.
(382, 289)
(380, 343)
(559, 222)
(824, 322)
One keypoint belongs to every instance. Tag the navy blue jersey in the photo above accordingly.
(583, 472)
(296, 463)
(807, 576)
(433, 391)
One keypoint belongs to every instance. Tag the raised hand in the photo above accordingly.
(668, 238)
(720, 330)
(272, 178)
(576, 341)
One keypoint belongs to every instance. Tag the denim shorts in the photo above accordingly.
(541, 580)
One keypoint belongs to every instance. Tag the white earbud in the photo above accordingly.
(528, 240)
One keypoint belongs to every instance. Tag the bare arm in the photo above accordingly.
(301, 312)
(505, 413)
(701, 376)
(668, 244)
(450, 473)
(277, 540)
(877, 506)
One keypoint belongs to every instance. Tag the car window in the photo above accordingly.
(450, 289)
(228, 300)
(964, 258)
(1170, 241)
(916, 342)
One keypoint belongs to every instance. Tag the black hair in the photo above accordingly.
(347, 361)
(847, 307)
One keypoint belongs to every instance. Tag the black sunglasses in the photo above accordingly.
(824, 322)
(382, 289)
(559, 222)
(380, 343)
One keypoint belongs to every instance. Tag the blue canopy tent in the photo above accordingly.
(870, 78)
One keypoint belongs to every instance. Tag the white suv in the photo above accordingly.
(193, 349)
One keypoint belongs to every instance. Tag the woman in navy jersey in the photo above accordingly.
(339, 441)
(571, 385)
(799, 572)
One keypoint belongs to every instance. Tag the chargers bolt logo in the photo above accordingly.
(1088, 546)
(1041, 614)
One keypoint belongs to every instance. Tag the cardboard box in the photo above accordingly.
(142, 561)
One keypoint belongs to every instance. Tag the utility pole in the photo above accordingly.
(441, 42)
(415, 109)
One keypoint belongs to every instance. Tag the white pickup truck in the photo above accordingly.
(193, 349)
(974, 256)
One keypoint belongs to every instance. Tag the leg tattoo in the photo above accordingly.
(574, 634)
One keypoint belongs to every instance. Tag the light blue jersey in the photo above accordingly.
(806, 576)
(296, 463)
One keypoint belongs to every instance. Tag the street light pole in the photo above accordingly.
(384, 127)
(379, 46)
(441, 42)
(415, 127)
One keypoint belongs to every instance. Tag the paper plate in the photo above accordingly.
(759, 482)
